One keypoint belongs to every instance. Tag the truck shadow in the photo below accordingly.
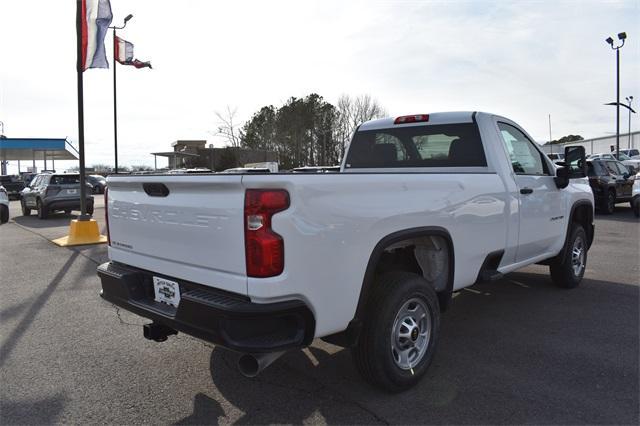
(44, 411)
(519, 340)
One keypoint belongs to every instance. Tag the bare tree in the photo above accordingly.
(366, 108)
(352, 112)
(228, 128)
(101, 167)
(140, 168)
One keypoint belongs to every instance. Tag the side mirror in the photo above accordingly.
(626, 176)
(562, 177)
(576, 161)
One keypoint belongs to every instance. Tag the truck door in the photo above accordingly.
(541, 202)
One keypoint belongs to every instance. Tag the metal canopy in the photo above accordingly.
(174, 154)
(13, 149)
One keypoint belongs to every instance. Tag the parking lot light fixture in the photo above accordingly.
(622, 37)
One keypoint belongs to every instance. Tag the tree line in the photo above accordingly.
(305, 131)
(566, 139)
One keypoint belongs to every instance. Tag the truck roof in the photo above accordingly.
(434, 118)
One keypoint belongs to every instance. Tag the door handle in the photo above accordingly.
(526, 191)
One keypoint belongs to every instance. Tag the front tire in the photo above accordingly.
(42, 210)
(400, 332)
(568, 272)
(26, 211)
(635, 205)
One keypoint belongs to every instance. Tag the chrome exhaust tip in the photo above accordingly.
(250, 365)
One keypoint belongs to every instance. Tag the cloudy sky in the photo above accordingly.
(521, 59)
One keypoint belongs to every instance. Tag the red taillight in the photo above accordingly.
(264, 249)
(106, 213)
(419, 118)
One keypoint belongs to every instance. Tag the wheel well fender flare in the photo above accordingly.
(376, 254)
(589, 225)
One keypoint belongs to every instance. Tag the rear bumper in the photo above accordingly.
(71, 204)
(216, 316)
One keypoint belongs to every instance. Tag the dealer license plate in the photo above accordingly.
(166, 291)
(72, 191)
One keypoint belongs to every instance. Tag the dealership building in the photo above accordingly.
(195, 153)
(600, 145)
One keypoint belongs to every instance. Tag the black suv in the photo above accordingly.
(610, 182)
(13, 185)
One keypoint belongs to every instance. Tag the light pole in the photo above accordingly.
(115, 103)
(550, 144)
(622, 37)
(629, 100)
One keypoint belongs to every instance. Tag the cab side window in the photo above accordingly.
(525, 158)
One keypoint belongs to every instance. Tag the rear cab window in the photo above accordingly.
(437, 145)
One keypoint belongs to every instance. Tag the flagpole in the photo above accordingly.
(115, 99)
(115, 104)
(79, 68)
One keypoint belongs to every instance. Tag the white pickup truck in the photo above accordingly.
(366, 258)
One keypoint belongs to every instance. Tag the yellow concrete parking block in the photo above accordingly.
(82, 232)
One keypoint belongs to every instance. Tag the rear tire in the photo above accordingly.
(568, 272)
(26, 211)
(42, 210)
(400, 332)
(4, 214)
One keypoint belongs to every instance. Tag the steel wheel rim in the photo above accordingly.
(411, 333)
(577, 256)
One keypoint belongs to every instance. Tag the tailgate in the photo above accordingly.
(194, 233)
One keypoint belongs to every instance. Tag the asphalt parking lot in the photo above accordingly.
(514, 351)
